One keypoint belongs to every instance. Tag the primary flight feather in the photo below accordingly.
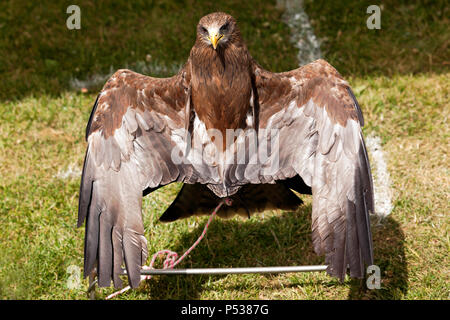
(225, 127)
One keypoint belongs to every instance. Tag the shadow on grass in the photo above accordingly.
(274, 241)
(279, 240)
(389, 255)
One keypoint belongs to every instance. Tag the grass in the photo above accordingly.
(413, 38)
(39, 54)
(41, 134)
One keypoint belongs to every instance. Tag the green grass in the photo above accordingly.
(40, 55)
(413, 38)
(42, 125)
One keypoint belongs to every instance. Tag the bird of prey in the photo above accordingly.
(225, 128)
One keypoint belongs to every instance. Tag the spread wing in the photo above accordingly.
(130, 143)
(317, 121)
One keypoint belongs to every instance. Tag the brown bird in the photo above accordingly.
(225, 127)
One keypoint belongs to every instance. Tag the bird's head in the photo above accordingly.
(217, 29)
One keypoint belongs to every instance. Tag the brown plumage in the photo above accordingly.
(225, 127)
(221, 78)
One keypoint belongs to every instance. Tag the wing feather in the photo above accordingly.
(319, 123)
(130, 143)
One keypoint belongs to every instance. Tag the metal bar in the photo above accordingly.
(314, 268)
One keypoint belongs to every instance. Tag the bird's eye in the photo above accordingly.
(203, 29)
(224, 27)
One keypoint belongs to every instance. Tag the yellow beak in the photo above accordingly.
(215, 38)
